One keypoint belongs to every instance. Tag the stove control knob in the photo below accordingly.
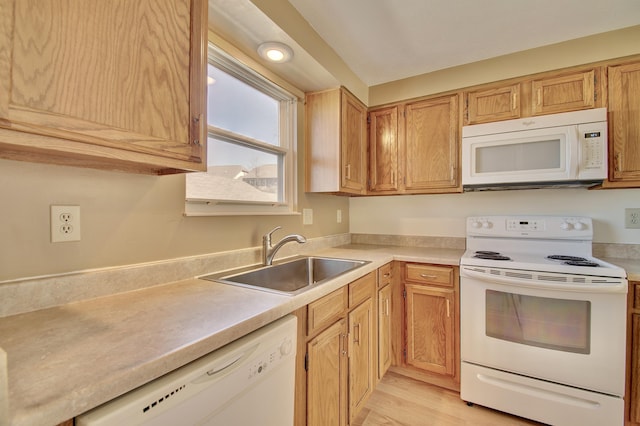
(487, 225)
(476, 224)
(579, 226)
(566, 226)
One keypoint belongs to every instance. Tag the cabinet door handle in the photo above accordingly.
(514, 101)
(539, 96)
(618, 165)
(343, 344)
(356, 333)
(348, 171)
(386, 307)
(448, 308)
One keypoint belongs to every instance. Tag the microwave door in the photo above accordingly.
(541, 155)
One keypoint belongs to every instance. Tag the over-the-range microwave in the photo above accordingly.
(565, 149)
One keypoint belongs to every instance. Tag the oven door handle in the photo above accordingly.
(615, 287)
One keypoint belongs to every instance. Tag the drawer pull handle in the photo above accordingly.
(429, 276)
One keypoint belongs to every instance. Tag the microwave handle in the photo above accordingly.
(574, 148)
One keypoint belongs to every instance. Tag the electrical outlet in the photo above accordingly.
(632, 218)
(339, 216)
(65, 223)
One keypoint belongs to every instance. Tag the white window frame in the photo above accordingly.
(288, 145)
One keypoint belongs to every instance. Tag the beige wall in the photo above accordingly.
(614, 44)
(127, 219)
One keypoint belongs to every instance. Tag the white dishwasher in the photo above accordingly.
(247, 382)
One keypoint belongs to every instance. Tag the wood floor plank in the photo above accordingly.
(402, 401)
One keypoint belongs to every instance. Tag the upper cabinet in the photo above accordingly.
(414, 147)
(383, 147)
(117, 86)
(493, 104)
(564, 93)
(624, 124)
(525, 97)
(431, 145)
(336, 138)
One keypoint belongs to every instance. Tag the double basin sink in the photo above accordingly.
(290, 277)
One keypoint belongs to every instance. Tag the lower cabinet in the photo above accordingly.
(431, 319)
(404, 316)
(327, 377)
(338, 362)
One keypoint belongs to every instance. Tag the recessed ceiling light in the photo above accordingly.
(275, 52)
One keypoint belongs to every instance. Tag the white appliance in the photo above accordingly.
(543, 322)
(247, 382)
(567, 149)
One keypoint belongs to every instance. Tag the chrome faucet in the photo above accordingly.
(269, 251)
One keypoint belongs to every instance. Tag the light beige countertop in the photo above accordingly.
(65, 360)
(632, 266)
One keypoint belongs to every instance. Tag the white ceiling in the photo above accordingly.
(387, 40)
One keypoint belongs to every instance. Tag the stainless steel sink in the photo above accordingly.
(291, 277)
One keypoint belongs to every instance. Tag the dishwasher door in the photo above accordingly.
(247, 382)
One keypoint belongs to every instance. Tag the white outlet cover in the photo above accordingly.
(307, 216)
(65, 223)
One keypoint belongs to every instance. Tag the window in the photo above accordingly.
(251, 164)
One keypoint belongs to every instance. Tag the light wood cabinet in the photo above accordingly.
(624, 124)
(427, 150)
(327, 377)
(493, 104)
(338, 337)
(336, 137)
(430, 328)
(564, 93)
(632, 400)
(361, 356)
(383, 147)
(546, 93)
(104, 85)
(384, 330)
(431, 344)
(385, 356)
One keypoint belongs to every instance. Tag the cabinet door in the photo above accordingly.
(565, 93)
(384, 330)
(110, 82)
(484, 106)
(624, 123)
(383, 145)
(431, 149)
(361, 367)
(327, 377)
(430, 329)
(353, 144)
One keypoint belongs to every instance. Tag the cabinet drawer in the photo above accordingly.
(362, 289)
(327, 310)
(429, 274)
(384, 275)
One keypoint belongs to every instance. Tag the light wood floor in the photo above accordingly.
(402, 401)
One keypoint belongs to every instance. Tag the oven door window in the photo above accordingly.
(558, 324)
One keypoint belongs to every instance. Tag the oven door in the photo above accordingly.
(561, 334)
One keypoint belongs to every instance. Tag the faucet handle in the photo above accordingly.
(268, 234)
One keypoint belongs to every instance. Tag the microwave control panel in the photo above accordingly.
(592, 138)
